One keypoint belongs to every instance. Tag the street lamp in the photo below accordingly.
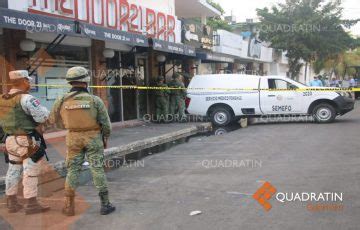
(108, 53)
(27, 45)
(161, 58)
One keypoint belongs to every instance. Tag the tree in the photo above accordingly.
(308, 30)
(340, 64)
(216, 6)
(217, 22)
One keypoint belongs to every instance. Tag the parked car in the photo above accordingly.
(228, 97)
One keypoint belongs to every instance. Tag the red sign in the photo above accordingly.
(113, 14)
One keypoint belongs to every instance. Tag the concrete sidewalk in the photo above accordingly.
(123, 141)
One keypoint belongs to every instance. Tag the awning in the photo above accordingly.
(171, 47)
(102, 33)
(33, 23)
(215, 57)
(195, 8)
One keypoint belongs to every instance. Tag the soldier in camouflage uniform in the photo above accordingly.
(87, 121)
(162, 100)
(20, 116)
(177, 98)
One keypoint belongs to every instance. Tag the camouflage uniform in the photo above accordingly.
(87, 121)
(21, 113)
(161, 100)
(177, 97)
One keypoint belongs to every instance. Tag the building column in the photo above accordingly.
(250, 68)
(99, 69)
(191, 66)
(9, 61)
(153, 73)
(218, 67)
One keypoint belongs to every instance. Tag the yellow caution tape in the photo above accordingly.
(134, 87)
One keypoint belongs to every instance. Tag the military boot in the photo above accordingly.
(106, 206)
(12, 204)
(69, 207)
(33, 207)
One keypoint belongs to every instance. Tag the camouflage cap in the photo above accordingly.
(79, 74)
(19, 74)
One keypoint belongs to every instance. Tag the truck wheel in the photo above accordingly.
(220, 116)
(324, 113)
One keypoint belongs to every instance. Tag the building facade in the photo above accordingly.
(123, 43)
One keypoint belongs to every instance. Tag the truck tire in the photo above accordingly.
(324, 113)
(220, 116)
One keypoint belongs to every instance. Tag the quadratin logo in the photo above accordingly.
(331, 201)
(264, 194)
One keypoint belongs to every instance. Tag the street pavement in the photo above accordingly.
(293, 157)
(161, 190)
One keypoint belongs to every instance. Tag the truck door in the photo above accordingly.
(279, 97)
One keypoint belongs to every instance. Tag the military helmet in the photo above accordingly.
(79, 74)
(160, 78)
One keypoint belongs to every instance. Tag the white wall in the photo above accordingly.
(165, 6)
(266, 54)
(284, 59)
(234, 44)
(21, 5)
(230, 43)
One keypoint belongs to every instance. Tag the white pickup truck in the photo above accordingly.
(228, 97)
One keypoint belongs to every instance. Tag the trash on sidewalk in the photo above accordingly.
(194, 213)
(244, 122)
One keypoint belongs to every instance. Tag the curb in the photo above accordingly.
(116, 125)
(52, 177)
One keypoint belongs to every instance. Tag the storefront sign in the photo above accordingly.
(215, 57)
(171, 47)
(112, 14)
(196, 34)
(35, 23)
(98, 32)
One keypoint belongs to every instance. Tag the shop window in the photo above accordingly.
(50, 68)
